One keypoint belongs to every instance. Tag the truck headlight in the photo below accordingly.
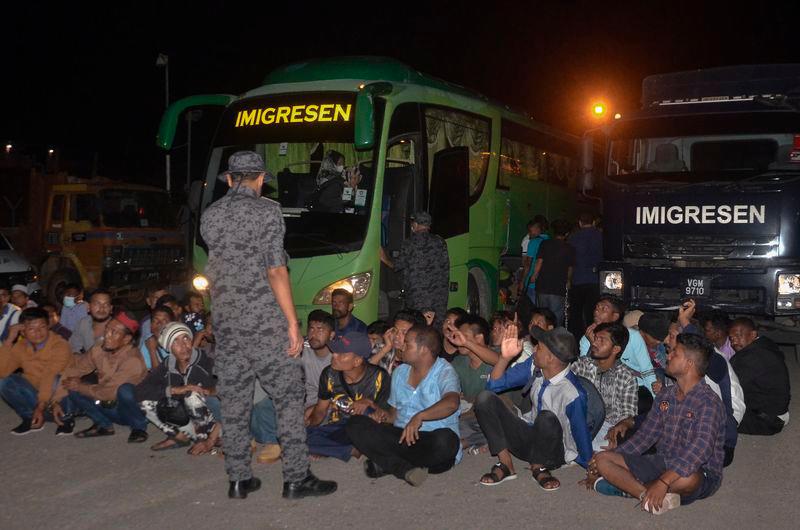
(611, 282)
(788, 284)
(200, 283)
(358, 284)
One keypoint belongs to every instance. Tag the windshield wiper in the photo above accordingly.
(792, 174)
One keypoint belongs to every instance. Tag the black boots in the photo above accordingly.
(240, 488)
(310, 486)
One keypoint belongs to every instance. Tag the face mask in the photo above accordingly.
(339, 169)
(69, 301)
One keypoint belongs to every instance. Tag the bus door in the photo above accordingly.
(404, 192)
(449, 207)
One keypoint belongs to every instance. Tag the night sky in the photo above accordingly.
(84, 80)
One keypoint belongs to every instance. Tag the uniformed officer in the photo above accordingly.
(425, 265)
(254, 321)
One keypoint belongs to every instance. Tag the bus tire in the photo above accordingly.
(478, 294)
(56, 283)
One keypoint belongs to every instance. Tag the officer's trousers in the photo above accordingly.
(240, 359)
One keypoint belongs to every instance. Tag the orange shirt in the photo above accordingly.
(39, 367)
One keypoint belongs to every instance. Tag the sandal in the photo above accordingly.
(495, 477)
(543, 477)
(94, 431)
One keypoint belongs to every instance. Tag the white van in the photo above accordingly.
(14, 269)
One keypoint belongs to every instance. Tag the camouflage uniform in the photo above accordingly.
(425, 266)
(244, 234)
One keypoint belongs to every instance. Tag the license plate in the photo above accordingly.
(696, 287)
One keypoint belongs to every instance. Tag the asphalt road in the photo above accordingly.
(65, 482)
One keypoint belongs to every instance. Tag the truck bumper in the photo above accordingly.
(734, 290)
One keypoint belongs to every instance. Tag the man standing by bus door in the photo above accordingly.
(254, 321)
(425, 265)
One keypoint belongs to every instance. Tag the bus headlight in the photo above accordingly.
(611, 282)
(358, 284)
(200, 283)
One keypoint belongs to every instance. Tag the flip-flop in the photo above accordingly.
(94, 431)
(507, 475)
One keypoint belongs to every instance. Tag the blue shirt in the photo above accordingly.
(70, 316)
(145, 333)
(440, 380)
(588, 244)
(635, 356)
(355, 325)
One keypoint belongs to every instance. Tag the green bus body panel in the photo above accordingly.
(169, 121)
(497, 218)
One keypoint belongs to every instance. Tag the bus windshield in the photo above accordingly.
(322, 182)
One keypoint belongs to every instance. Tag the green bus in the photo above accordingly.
(481, 169)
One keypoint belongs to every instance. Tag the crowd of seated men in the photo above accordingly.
(650, 405)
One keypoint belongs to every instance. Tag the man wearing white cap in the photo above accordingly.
(178, 396)
(21, 298)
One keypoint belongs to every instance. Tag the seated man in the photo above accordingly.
(764, 378)
(687, 426)
(342, 310)
(719, 376)
(555, 431)
(716, 328)
(500, 319)
(635, 356)
(450, 350)
(91, 328)
(316, 357)
(21, 298)
(73, 308)
(471, 337)
(418, 434)
(612, 378)
(9, 313)
(349, 386)
(55, 325)
(194, 312)
(42, 355)
(389, 356)
(119, 366)
(153, 354)
(178, 395)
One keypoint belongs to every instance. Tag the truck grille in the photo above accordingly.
(694, 246)
(152, 256)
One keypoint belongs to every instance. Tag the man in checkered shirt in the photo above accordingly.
(687, 426)
(613, 379)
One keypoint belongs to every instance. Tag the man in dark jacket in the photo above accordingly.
(764, 378)
(184, 386)
(425, 265)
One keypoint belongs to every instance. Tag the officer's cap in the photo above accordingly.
(422, 218)
(245, 162)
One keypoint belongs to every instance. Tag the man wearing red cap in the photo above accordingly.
(111, 400)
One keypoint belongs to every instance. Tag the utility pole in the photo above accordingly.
(163, 60)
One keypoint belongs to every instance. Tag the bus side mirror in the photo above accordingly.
(365, 113)
(169, 120)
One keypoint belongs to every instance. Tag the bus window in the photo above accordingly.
(518, 159)
(448, 128)
(449, 202)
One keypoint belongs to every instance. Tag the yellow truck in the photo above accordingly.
(100, 232)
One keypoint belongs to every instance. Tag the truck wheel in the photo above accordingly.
(478, 302)
(56, 283)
